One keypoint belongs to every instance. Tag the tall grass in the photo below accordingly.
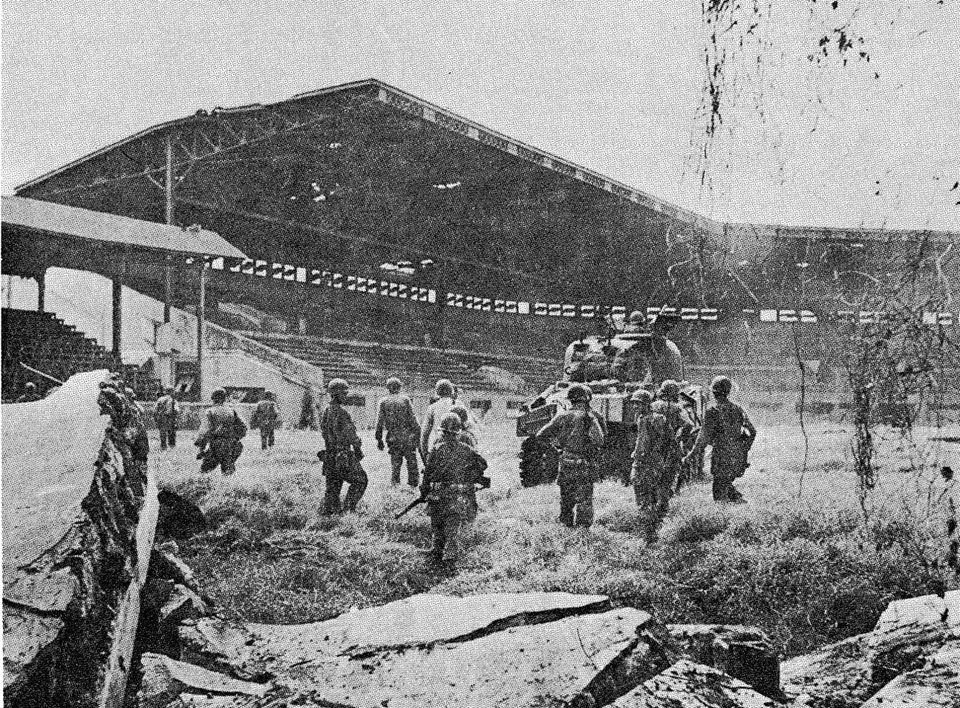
(807, 570)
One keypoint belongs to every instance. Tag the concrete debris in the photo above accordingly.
(583, 661)
(742, 652)
(418, 621)
(166, 679)
(79, 510)
(836, 676)
(910, 630)
(935, 685)
(222, 645)
(182, 604)
(690, 685)
(165, 564)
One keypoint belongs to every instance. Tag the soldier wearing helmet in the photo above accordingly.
(579, 432)
(266, 416)
(682, 427)
(341, 455)
(165, 413)
(396, 419)
(653, 469)
(636, 321)
(727, 428)
(430, 427)
(450, 477)
(220, 433)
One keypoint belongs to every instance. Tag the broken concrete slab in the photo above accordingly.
(745, 653)
(222, 645)
(78, 522)
(910, 630)
(182, 604)
(687, 684)
(165, 680)
(420, 621)
(576, 661)
(835, 676)
(935, 685)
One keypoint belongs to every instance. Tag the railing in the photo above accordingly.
(222, 338)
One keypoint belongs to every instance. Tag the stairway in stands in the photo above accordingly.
(369, 364)
(44, 342)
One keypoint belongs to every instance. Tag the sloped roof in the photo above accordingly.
(61, 220)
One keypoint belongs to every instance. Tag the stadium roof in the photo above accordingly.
(60, 220)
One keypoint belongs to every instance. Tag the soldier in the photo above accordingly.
(467, 434)
(342, 454)
(653, 463)
(219, 438)
(727, 428)
(681, 426)
(266, 417)
(30, 393)
(449, 478)
(395, 417)
(579, 432)
(666, 362)
(430, 428)
(165, 413)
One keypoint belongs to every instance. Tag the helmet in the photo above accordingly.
(642, 395)
(721, 385)
(394, 384)
(637, 318)
(451, 423)
(334, 385)
(669, 390)
(219, 395)
(461, 413)
(444, 388)
(579, 392)
(30, 385)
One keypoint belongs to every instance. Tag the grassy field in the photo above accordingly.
(802, 559)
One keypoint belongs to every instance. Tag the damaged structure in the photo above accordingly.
(79, 513)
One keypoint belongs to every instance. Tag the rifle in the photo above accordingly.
(419, 500)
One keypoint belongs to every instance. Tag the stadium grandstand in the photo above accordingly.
(382, 234)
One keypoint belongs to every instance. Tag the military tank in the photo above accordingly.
(612, 366)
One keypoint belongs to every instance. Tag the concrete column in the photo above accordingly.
(117, 316)
(41, 291)
(201, 329)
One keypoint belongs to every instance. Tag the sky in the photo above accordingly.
(612, 86)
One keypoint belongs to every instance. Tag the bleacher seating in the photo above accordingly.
(369, 364)
(44, 342)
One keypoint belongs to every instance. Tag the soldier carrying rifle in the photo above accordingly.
(449, 487)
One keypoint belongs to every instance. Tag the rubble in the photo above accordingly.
(165, 679)
(79, 512)
(909, 631)
(934, 685)
(690, 685)
(835, 676)
(742, 652)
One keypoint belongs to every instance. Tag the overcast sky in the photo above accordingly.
(613, 86)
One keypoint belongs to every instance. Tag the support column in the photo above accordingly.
(42, 291)
(201, 329)
(117, 317)
(170, 219)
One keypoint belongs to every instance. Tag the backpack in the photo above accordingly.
(239, 427)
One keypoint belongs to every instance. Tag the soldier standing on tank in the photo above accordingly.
(727, 428)
(654, 467)
(267, 417)
(450, 477)
(220, 433)
(580, 435)
(666, 362)
(395, 417)
(430, 428)
(165, 413)
(342, 454)
(667, 404)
